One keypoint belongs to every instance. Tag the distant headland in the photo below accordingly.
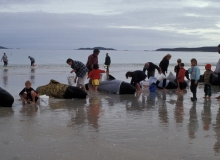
(3, 47)
(100, 48)
(199, 49)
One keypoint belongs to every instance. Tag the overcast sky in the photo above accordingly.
(119, 24)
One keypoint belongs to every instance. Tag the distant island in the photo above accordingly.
(199, 49)
(100, 48)
(3, 47)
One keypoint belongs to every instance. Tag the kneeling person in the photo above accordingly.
(28, 94)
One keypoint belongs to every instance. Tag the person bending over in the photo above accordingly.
(150, 67)
(136, 77)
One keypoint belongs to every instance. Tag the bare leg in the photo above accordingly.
(96, 88)
(23, 98)
(33, 95)
(138, 88)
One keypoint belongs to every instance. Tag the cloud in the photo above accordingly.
(67, 24)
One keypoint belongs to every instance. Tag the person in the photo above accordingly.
(5, 60)
(92, 59)
(180, 77)
(94, 75)
(217, 70)
(136, 77)
(164, 66)
(80, 70)
(107, 62)
(194, 72)
(32, 60)
(150, 67)
(207, 85)
(177, 67)
(28, 94)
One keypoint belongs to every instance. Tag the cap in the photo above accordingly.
(208, 66)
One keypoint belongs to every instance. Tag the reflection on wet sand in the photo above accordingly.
(6, 111)
(5, 77)
(29, 110)
(88, 114)
(217, 133)
(193, 122)
(32, 75)
(179, 110)
(206, 115)
(162, 110)
(93, 112)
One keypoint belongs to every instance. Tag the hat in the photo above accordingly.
(208, 66)
(182, 64)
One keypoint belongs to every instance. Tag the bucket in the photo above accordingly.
(153, 87)
(70, 80)
(161, 77)
(145, 85)
(101, 75)
(44, 100)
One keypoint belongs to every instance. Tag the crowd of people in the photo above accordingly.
(91, 71)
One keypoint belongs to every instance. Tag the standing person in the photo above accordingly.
(32, 60)
(5, 60)
(150, 67)
(194, 72)
(107, 62)
(81, 72)
(207, 85)
(177, 67)
(164, 66)
(28, 94)
(217, 70)
(94, 75)
(180, 77)
(136, 77)
(92, 59)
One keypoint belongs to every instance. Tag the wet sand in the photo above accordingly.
(161, 125)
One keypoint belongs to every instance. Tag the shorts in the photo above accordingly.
(95, 82)
(81, 80)
(181, 85)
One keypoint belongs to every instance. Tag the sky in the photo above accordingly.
(118, 24)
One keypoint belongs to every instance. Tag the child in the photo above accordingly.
(177, 67)
(194, 72)
(180, 77)
(95, 76)
(30, 96)
(207, 86)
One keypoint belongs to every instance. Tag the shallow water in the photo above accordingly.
(161, 125)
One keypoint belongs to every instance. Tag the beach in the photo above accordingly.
(160, 125)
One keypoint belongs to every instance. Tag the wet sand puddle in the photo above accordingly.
(161, 125)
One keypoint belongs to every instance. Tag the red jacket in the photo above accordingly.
(181, 75)
(95, 74)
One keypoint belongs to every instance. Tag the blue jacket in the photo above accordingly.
(194, 73)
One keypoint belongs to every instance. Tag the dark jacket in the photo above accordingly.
(152, 67)
(137, 76)
(107, 60)
(164, 65)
